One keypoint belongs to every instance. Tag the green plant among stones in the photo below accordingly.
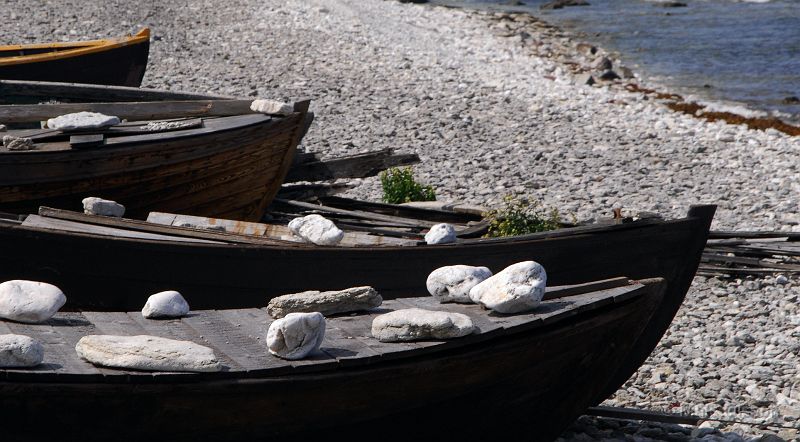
(399, 187)
(520, 217)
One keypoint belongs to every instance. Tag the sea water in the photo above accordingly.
(745, 52)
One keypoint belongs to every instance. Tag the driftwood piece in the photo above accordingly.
(308, 167)
(304, 192)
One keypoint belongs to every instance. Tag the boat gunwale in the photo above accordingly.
(80, 48)
(571, 232)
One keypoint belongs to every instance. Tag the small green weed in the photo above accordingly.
(519, 217)
(399, 187)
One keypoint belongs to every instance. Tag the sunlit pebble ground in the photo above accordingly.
(476, 105)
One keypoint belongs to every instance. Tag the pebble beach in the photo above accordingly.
(497, 104)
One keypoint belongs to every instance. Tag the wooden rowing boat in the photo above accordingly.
(117, 61)
(221, 159)
(217, 269)
(527, 375)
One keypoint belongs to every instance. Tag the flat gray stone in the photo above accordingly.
(82, 120)
(29, 301)
(20, 351)
(453, 283)
(518, 288)
(296, 335)
(98, 206)
(167, 304)
(328, 303)
(145, 352)
(416, 324)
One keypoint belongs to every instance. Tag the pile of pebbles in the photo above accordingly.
(496, 104)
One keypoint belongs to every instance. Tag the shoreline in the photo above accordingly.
(757, 119)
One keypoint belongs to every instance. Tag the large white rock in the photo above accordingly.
(82, 120)
(453, 283)
(316, 229)
(415, 323)
(29, 301)
(147, 353)
(265, 106)
(20, 351)
(441, 234)
(519, 287)
(296, 335)
(168, 304)
(327, 303)
(98, 206)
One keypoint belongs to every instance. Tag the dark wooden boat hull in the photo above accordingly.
(233, 173)
(119, 66)
(528, 385)
(102, 273)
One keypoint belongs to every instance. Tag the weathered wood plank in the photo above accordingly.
(361, 214)
(71, 226)
(59, 355)
(353, 166)
(273, 231)
(130, 225)
(577, 289)
(249, 353)
(142, 110)
(254, 323)
(86, 141)
(176, 329)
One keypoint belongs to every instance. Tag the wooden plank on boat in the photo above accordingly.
(60, 357)
(176, 329)
(180, 233)
(254, 323)
(578, 289)
(273, 231)
(86, 141)
(142, 110)
(353, 166)
(72, 226)
(360, 214)
(47, 90)
(115, 323)
(347, 349)
(434, 214)
(122, 129)
(249, 353)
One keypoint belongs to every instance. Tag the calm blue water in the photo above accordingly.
(747, 52)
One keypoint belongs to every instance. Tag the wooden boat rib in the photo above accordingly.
(118, 61)
(224, 270)
(528, 374)
(223, 160)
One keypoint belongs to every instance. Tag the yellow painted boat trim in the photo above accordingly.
(79, 48)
